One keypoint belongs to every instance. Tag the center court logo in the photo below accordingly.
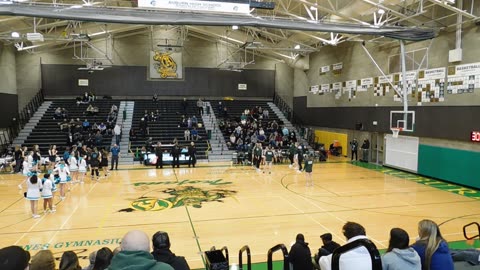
(181, 195)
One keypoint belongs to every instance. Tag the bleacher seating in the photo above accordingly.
(235, 109)
(167, 127)
(47, 131)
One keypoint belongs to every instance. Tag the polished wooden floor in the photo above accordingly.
(220, 205)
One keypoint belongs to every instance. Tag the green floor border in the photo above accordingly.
(449, 187)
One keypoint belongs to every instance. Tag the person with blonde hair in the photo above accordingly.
(43, 260)
(432, 248)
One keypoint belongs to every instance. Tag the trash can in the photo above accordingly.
(209, 134)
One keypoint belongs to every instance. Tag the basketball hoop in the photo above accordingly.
(395, 131)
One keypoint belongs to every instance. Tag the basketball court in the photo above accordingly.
(223, 205)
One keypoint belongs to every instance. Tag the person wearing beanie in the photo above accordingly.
(135, 254)
(43, 260)
(300, 256)
(14, 258)
(162, 253)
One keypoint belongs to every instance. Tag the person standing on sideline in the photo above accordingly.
(115, 154)
(192, 155)
(200, 106)
(33, 194)
(365, 149)
(47, 194)
(292, 150)
(117, 131)
(308, 170)
(257, 156)
(268, 160)
(175, 153)
(159, 154)
(354, 146)
(300, 256)
(300, 157)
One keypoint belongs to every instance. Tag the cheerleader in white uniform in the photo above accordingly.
(47, 194)
(82, 168)
(33, 194)
(27, 168)
(73, 167)
(63, 173)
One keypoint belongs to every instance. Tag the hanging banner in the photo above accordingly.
(314, 89)
(166, 65)
(364, 84)
(466, 70)
(325, 88)
(431, 85)
(196, 5)
(463, 79)
(385, 79)
(432, 74)
(324, 69)
(337, 68)
(337, 89)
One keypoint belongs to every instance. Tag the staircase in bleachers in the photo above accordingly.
(47, 130)
(167, 127)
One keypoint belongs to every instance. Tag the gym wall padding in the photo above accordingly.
(402, 152)
(453, 165)
(327, 138)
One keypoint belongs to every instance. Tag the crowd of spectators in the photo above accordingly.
(429, 252)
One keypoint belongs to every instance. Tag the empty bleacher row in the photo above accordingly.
(166, 124)
(48, 132)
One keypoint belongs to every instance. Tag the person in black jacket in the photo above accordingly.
(300, 256)
(161, 252)
(354, 146)
(175, 153)
(328, 246)
(192, 155)
(159, 154)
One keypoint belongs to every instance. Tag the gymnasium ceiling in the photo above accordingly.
(273, 39)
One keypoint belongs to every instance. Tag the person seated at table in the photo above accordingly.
(91, 110)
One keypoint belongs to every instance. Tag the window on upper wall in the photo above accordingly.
(413, 59)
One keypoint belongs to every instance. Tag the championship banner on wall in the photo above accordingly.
(196, 5)
(325, 88)
(364, 84)
(382, 85)
(337, 89)
(166, 65)
(463, 78)
(324, 69)
(337, 68)
(431, 85)
(314, 89)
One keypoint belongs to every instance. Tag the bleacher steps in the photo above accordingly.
(32, 123)
(125, 157)
(219, 149)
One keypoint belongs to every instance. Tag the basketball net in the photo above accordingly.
(395, 132)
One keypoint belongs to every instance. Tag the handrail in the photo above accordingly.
(240, 258)
(465, 231)
(274, 249)
(369, 245)
(208, 149)
(24, 115)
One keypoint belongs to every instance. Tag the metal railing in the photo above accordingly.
(21, 119)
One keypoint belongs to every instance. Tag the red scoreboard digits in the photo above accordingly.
(475, 136)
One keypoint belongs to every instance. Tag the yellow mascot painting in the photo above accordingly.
(165, 65)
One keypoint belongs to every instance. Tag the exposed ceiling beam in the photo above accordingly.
(454, 9)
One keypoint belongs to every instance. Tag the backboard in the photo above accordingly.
(405, 120)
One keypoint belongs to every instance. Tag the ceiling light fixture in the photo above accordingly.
(234, 27)
(381, 11)
(15, 35)
(297, 47)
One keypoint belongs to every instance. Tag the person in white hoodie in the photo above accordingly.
(399, 255)
(355, 259)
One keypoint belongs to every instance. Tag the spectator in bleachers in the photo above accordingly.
(69, 261)
(98, 139)
(114, 109)
(300, 256)
(103, 259)
(265, 114)
(132, 134)
(112, 117)
(43, 260)
(432, 248)
(86, 125)
(328, 246)
(356, 259)
(144, 127)
(200, 106)
(285, 131)
(102, 128)
(14, 258)
(135, 254)
(194, 121)
(58, 113)
(65, 113)
(91, 260)
(149, 144)
(184, 105)
(86, 98)
(162, 253)
(399, 255)
(155, 98)
(189, 122)
(194, 134)
(91, 96)
(117, 131)
(225, 111)
(91, 110)
(186, 135)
